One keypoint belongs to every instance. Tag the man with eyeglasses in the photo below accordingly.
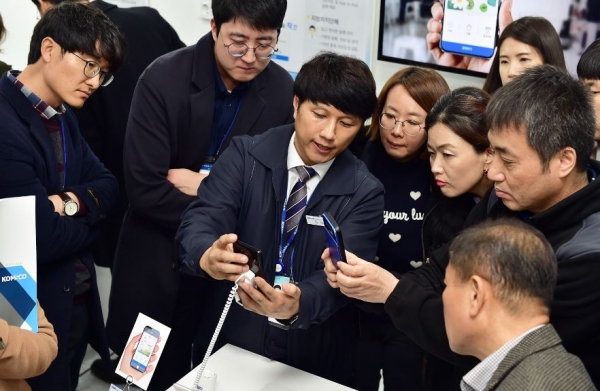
(187, 106)
(43, 154)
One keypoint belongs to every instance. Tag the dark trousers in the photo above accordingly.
(382, 347)
(175, 361)
(78, 341)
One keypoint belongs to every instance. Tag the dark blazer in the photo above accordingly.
(29, 168)
(169, 127)
(244, 194)
(103, 118)
(540, 362)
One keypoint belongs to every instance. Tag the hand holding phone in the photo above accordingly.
(333, 235)
(459, 61)
(470, 28)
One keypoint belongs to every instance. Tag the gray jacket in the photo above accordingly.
(540, 362)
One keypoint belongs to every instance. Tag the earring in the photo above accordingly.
(485, 171)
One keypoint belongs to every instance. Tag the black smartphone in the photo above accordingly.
(254, 256)
(333, 235)
(470, 28)
(145, 349)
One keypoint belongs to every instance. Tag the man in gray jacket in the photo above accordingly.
(499, 286)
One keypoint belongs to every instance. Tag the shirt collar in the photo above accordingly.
(44, 109)
(294, 160)
(478, 377)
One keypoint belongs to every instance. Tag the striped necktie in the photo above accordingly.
(296, 202)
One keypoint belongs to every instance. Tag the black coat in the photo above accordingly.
(169, 127)
(103, 118)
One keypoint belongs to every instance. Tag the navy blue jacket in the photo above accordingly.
(244, 194)
(28, 167)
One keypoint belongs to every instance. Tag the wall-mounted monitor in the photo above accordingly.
(403, 27)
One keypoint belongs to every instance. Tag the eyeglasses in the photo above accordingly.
(92, 68)
(409, 127)
(239, 49)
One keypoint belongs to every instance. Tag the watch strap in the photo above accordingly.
(65, 197)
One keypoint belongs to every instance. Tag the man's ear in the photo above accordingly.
(567, 159)
(47, 49)
(489, 155)
(478, 295)
(296, 104)
(213, 29)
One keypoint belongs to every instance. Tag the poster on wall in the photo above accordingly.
(311, 26)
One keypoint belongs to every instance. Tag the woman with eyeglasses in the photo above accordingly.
(396, 154)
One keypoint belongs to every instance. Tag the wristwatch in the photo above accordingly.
(70, 207)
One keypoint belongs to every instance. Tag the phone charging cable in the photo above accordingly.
(249, 278)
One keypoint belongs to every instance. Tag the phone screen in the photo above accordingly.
(333, 235)
(144, 349)
(470, 27)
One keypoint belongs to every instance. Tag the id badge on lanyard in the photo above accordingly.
(207, 165)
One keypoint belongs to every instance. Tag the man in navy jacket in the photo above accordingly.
(245, 197)
(43, 154)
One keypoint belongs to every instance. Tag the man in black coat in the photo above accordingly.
(186, 107)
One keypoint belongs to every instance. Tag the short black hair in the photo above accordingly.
(588, 66)
(259, 14)
(514, 257)
(80, 28)
(551, 108)
(343, 82)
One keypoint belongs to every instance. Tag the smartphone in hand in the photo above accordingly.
(144, 349)
(333, 235)
(254, 256)
(470, 28)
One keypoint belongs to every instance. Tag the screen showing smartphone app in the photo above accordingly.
(469, 27)
(144, 349)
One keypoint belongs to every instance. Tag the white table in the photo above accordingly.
(239, 369)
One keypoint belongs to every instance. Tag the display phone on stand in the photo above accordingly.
(470, 28)
(145, 349)
(333, 235)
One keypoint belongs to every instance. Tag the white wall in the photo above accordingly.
(20, 17)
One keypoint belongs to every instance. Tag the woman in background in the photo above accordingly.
(397, 156)
(524, 43)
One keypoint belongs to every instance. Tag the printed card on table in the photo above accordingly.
(144, 348)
